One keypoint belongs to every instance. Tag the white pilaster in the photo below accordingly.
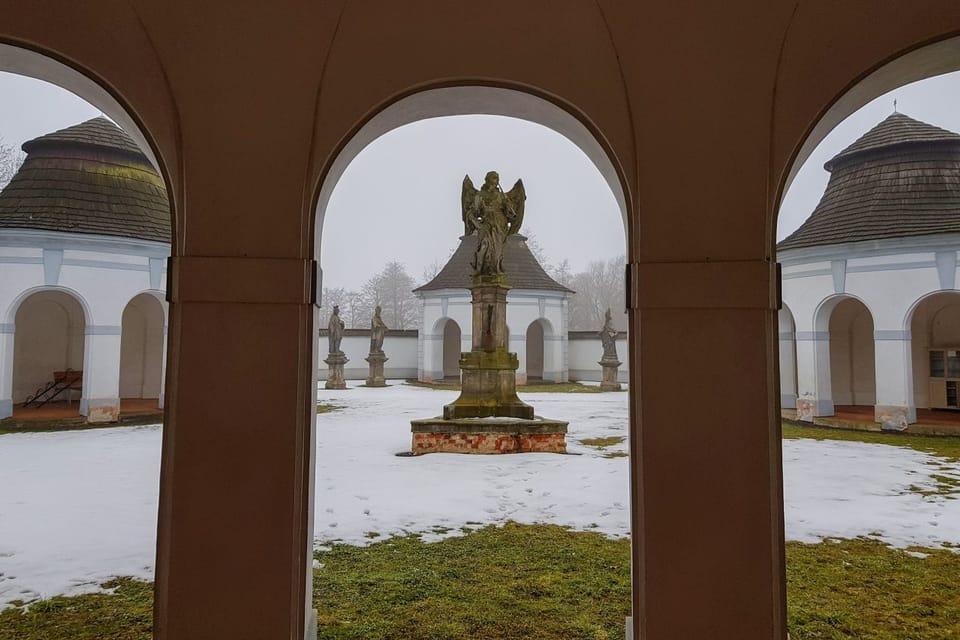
(815, 397)
(101, 374)
(788, 371)
(6, 370)
(895, 407)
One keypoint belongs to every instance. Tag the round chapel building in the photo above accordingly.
(870, 324)
(84, 240)
(537, 311)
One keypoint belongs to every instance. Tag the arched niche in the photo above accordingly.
(142, 347)
(49, 338)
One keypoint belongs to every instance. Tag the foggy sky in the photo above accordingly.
(400, 198)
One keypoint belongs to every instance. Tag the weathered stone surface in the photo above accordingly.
(490, 436)
(609, 370)
(103, 413)
(488, 416)
(375, 377)
(335, 362)
(892, 418)
(488, 379)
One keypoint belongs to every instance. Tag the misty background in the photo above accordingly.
(394, 217)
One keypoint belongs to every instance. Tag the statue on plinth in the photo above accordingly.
(488, 416)
(336, 358)
(492, 215)
(376, 358)
(609, 363)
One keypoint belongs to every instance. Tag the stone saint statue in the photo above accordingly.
(378, 329)
(493, 215)
(608, 337)
(335, 330)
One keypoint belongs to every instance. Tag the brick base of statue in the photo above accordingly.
(375, 377)
(609, 375)
(488, 417)
(489, 436)
(335, 362)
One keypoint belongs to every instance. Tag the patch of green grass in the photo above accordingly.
(517, 582)
(602, 443)
(327, 408)
(439, 386)
(865, 590)
(124, 614)
(943, 446)
(544, 582)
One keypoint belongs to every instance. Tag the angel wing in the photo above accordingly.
(515, 201)
(467, 198)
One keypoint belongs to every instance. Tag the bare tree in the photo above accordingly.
(10, 160)
(599, 287)
(536, 248)
(392, 289)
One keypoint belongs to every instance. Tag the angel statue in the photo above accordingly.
(493, 215)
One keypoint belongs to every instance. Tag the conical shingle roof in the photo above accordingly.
(901, 178)
(90, 178)
(521, 266)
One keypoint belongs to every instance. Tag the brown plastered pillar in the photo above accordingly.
(234, 533)
(707, 505)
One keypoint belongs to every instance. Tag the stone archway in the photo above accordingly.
(49, 346)
(535, 352)
(934, 325)
(852, 360)
(142, 349)
(452, 336)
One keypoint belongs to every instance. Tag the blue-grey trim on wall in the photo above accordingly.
(7, 327)
(812, 335)
(20, 260)
(787, 336)
(891, 334)
(6, 408)
(103, 330)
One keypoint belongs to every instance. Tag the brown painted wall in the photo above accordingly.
(702, 106)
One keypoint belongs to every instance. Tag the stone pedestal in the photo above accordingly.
(488, 417)
(335, 362)
(609, 373)
(375, 377)
(488, 386)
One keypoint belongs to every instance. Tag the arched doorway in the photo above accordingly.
(451, 350)
(935, 345)
(142, 351)
(852, 368)
(48, 354)
(535, 351)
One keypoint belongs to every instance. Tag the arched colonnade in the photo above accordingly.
(306, 87)
(892, 353)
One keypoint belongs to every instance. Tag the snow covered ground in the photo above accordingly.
(77, 508)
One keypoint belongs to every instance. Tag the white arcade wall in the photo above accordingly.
(401, 347)
(84, 302)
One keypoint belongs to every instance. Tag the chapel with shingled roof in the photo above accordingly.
(537, 310)
(870, 321)
(84, 241)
